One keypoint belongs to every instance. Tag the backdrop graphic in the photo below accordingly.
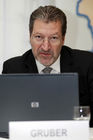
(84, 9)
(14, 22)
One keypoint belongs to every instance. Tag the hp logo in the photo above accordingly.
(34, 104)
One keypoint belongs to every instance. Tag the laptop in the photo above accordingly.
(34, 97)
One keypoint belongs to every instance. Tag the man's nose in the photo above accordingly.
(46, 44)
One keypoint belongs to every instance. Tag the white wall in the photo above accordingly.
(14, 30)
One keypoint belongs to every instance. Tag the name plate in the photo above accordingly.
(49, 130)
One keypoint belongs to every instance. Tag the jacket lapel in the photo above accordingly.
(67, 63)
(30, 64)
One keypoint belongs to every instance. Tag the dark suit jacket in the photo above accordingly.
(71, 61)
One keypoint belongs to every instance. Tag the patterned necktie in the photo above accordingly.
(47, 70)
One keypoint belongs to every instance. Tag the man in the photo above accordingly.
(47, 28)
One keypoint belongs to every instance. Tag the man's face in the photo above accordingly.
(46, 41)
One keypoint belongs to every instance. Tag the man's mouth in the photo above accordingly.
(45, 54)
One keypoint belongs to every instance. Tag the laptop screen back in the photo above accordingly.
(37, 97)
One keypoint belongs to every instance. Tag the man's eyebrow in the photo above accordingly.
(37, 33)
(54, 34)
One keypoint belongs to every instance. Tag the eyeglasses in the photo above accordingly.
(53, 40)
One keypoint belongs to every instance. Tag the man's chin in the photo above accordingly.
(45, 63)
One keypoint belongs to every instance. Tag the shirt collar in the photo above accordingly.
(55, 66)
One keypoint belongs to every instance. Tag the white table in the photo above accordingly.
(91, 133)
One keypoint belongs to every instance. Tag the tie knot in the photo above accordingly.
(47, 70)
